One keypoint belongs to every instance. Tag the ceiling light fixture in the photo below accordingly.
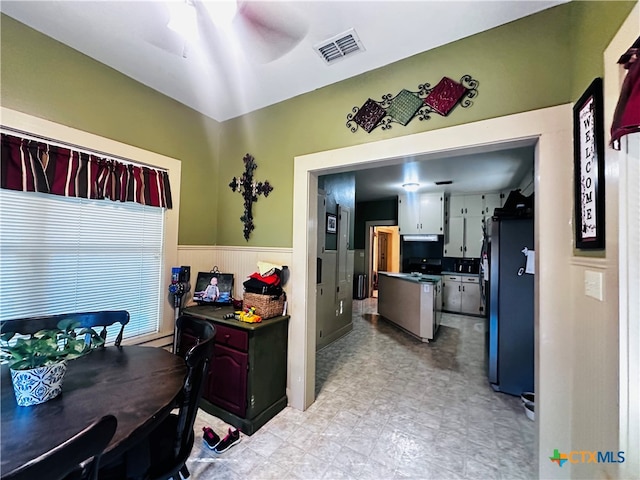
(411, 187)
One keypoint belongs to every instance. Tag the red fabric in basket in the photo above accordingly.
(273, 279)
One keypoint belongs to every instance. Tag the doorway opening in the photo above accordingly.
(549, 129)
(384, 254)
(388, 227)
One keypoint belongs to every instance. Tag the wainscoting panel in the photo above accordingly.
(241, 261)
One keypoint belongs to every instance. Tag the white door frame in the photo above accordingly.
(552, 127)
(368, 248)
(628, 252)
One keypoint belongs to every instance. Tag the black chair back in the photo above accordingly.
(180, 427)
(77, 458)
(104, 319)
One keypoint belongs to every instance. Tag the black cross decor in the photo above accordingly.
(249, 191)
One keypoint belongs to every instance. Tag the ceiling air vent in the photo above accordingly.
(339, 46)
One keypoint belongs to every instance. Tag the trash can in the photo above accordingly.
(360, 287)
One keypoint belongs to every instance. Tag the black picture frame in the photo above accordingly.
(332, 223)
(225, 287)
(589, 180)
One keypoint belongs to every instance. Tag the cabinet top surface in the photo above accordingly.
(209, 312)
(413, 278)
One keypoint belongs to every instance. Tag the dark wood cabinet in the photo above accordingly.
(248, 375)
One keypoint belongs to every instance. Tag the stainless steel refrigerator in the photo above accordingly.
(510, 336)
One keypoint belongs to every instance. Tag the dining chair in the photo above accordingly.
(76, 459)
(171, 443)
(104, 319)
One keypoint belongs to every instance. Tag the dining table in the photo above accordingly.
(138, 385)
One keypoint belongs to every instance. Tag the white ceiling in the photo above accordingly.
(493, 168)
(227, 72)
(224, 74)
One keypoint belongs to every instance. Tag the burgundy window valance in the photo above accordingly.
(37, 166)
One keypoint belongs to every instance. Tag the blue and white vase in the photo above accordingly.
(38, 385)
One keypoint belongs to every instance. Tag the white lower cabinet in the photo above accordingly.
(461, 294)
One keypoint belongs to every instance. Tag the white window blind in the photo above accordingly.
(61, 254)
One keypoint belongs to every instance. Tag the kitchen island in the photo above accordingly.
(411, 301)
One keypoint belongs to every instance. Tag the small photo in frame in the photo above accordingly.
(332, 223)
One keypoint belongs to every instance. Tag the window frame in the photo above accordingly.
(64, 134)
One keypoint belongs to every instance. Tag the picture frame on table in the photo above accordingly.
(332, 223)
(589, 180)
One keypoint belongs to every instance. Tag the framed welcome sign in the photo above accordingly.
(588, 148)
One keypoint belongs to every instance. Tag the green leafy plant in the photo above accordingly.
(48, 346)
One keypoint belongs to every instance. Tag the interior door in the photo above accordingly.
(343, 280)
(383, 252)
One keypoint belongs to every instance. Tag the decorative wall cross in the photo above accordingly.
(249, 191)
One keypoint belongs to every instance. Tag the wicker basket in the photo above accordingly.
(267, 306)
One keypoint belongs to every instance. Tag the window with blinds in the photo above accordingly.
(63, 254)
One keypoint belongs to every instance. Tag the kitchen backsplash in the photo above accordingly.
(461, 265)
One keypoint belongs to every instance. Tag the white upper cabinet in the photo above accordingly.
(421, 213)
(464, 239)
(491, 201)
(465, 205)
(477, 205)
(466, 222)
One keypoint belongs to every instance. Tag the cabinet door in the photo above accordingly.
(473, 235)
(456, 206)
(473, 205)
(463, 205)
(432, 213)
(408, 214)
(454, 244)
(491, 202)
(228, 386)
(451, 294)
(470, 302)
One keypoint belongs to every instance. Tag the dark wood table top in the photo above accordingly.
(209, 312)
(138, 385)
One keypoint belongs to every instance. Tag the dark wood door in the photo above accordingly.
(383, 248)
(228, 381)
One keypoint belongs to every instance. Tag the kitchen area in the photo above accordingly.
(448, 263)
(440, 239)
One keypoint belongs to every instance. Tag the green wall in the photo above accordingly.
(46, 79)
(543, 60)
(593, 25)
(525, 65)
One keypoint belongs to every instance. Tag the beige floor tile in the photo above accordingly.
(387, 407)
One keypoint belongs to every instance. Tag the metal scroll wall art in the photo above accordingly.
(406, 105)
(249, 191)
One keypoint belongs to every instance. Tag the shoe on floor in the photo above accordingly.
(528, 397)
(210, 438)
(229, 441)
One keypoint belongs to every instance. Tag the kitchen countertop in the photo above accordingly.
(422, 278)
(461, 273)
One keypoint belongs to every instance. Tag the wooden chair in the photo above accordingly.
(171, 443)
(104, 319)
(76, 459)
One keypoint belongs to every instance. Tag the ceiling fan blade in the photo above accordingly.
(268, 30)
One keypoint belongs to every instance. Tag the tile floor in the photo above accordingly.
(388, 407)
